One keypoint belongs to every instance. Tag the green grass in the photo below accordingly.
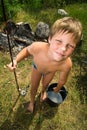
(71, 114)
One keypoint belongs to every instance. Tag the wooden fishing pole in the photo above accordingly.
(8, 38)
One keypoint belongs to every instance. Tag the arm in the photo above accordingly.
(27, 51)
(21, 55)
(63, 76)
(62, 80)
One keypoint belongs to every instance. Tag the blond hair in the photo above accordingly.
(69, 25)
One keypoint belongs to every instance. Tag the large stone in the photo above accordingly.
(42, 30)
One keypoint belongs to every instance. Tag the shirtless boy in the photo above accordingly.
(52, 56)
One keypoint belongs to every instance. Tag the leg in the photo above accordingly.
(45, 82)
(35, 80)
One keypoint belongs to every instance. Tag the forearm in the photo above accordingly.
(63, 76)
(22, 54)
(61, 82)
(60, 85)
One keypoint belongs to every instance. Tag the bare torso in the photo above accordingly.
(43, 61)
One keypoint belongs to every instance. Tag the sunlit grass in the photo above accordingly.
(70, 115)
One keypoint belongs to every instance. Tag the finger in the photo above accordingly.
(10, 67)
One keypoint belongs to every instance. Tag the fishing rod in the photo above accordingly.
(20, 91)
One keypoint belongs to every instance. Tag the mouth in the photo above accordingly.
(60, 54)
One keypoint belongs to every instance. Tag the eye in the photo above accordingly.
(59, 42)
(70, 46)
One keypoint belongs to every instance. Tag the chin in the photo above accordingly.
(59, 59)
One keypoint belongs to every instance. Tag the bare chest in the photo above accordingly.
(44, 66)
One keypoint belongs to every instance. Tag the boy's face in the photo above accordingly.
(61, 45)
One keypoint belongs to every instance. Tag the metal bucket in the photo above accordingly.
(54, 99)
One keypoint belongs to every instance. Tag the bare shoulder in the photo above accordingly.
(35, 47)
(68, 64)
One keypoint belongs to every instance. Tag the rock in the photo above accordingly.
(21, 35)
(25, 30)
(4, 42)
(10, 27)
(42, 30)
(62, 12)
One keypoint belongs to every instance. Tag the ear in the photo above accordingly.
(49, 39)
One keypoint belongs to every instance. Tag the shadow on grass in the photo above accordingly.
(22, 121)
(82, 85)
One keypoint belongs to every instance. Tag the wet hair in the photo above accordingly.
(68, 25)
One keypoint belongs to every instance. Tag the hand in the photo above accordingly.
(12, 67)
(56, 89)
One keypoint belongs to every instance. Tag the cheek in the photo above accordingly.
(53, 48)
(69, 52)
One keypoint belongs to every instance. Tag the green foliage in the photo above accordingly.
(13, 6)
(72, 113)
(33, 5)
(53, 3)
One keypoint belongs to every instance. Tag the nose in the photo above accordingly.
(63, 48)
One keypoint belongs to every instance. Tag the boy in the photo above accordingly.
(51, 57)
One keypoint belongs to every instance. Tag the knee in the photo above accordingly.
(34, 88)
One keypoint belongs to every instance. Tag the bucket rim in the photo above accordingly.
(56, 97)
